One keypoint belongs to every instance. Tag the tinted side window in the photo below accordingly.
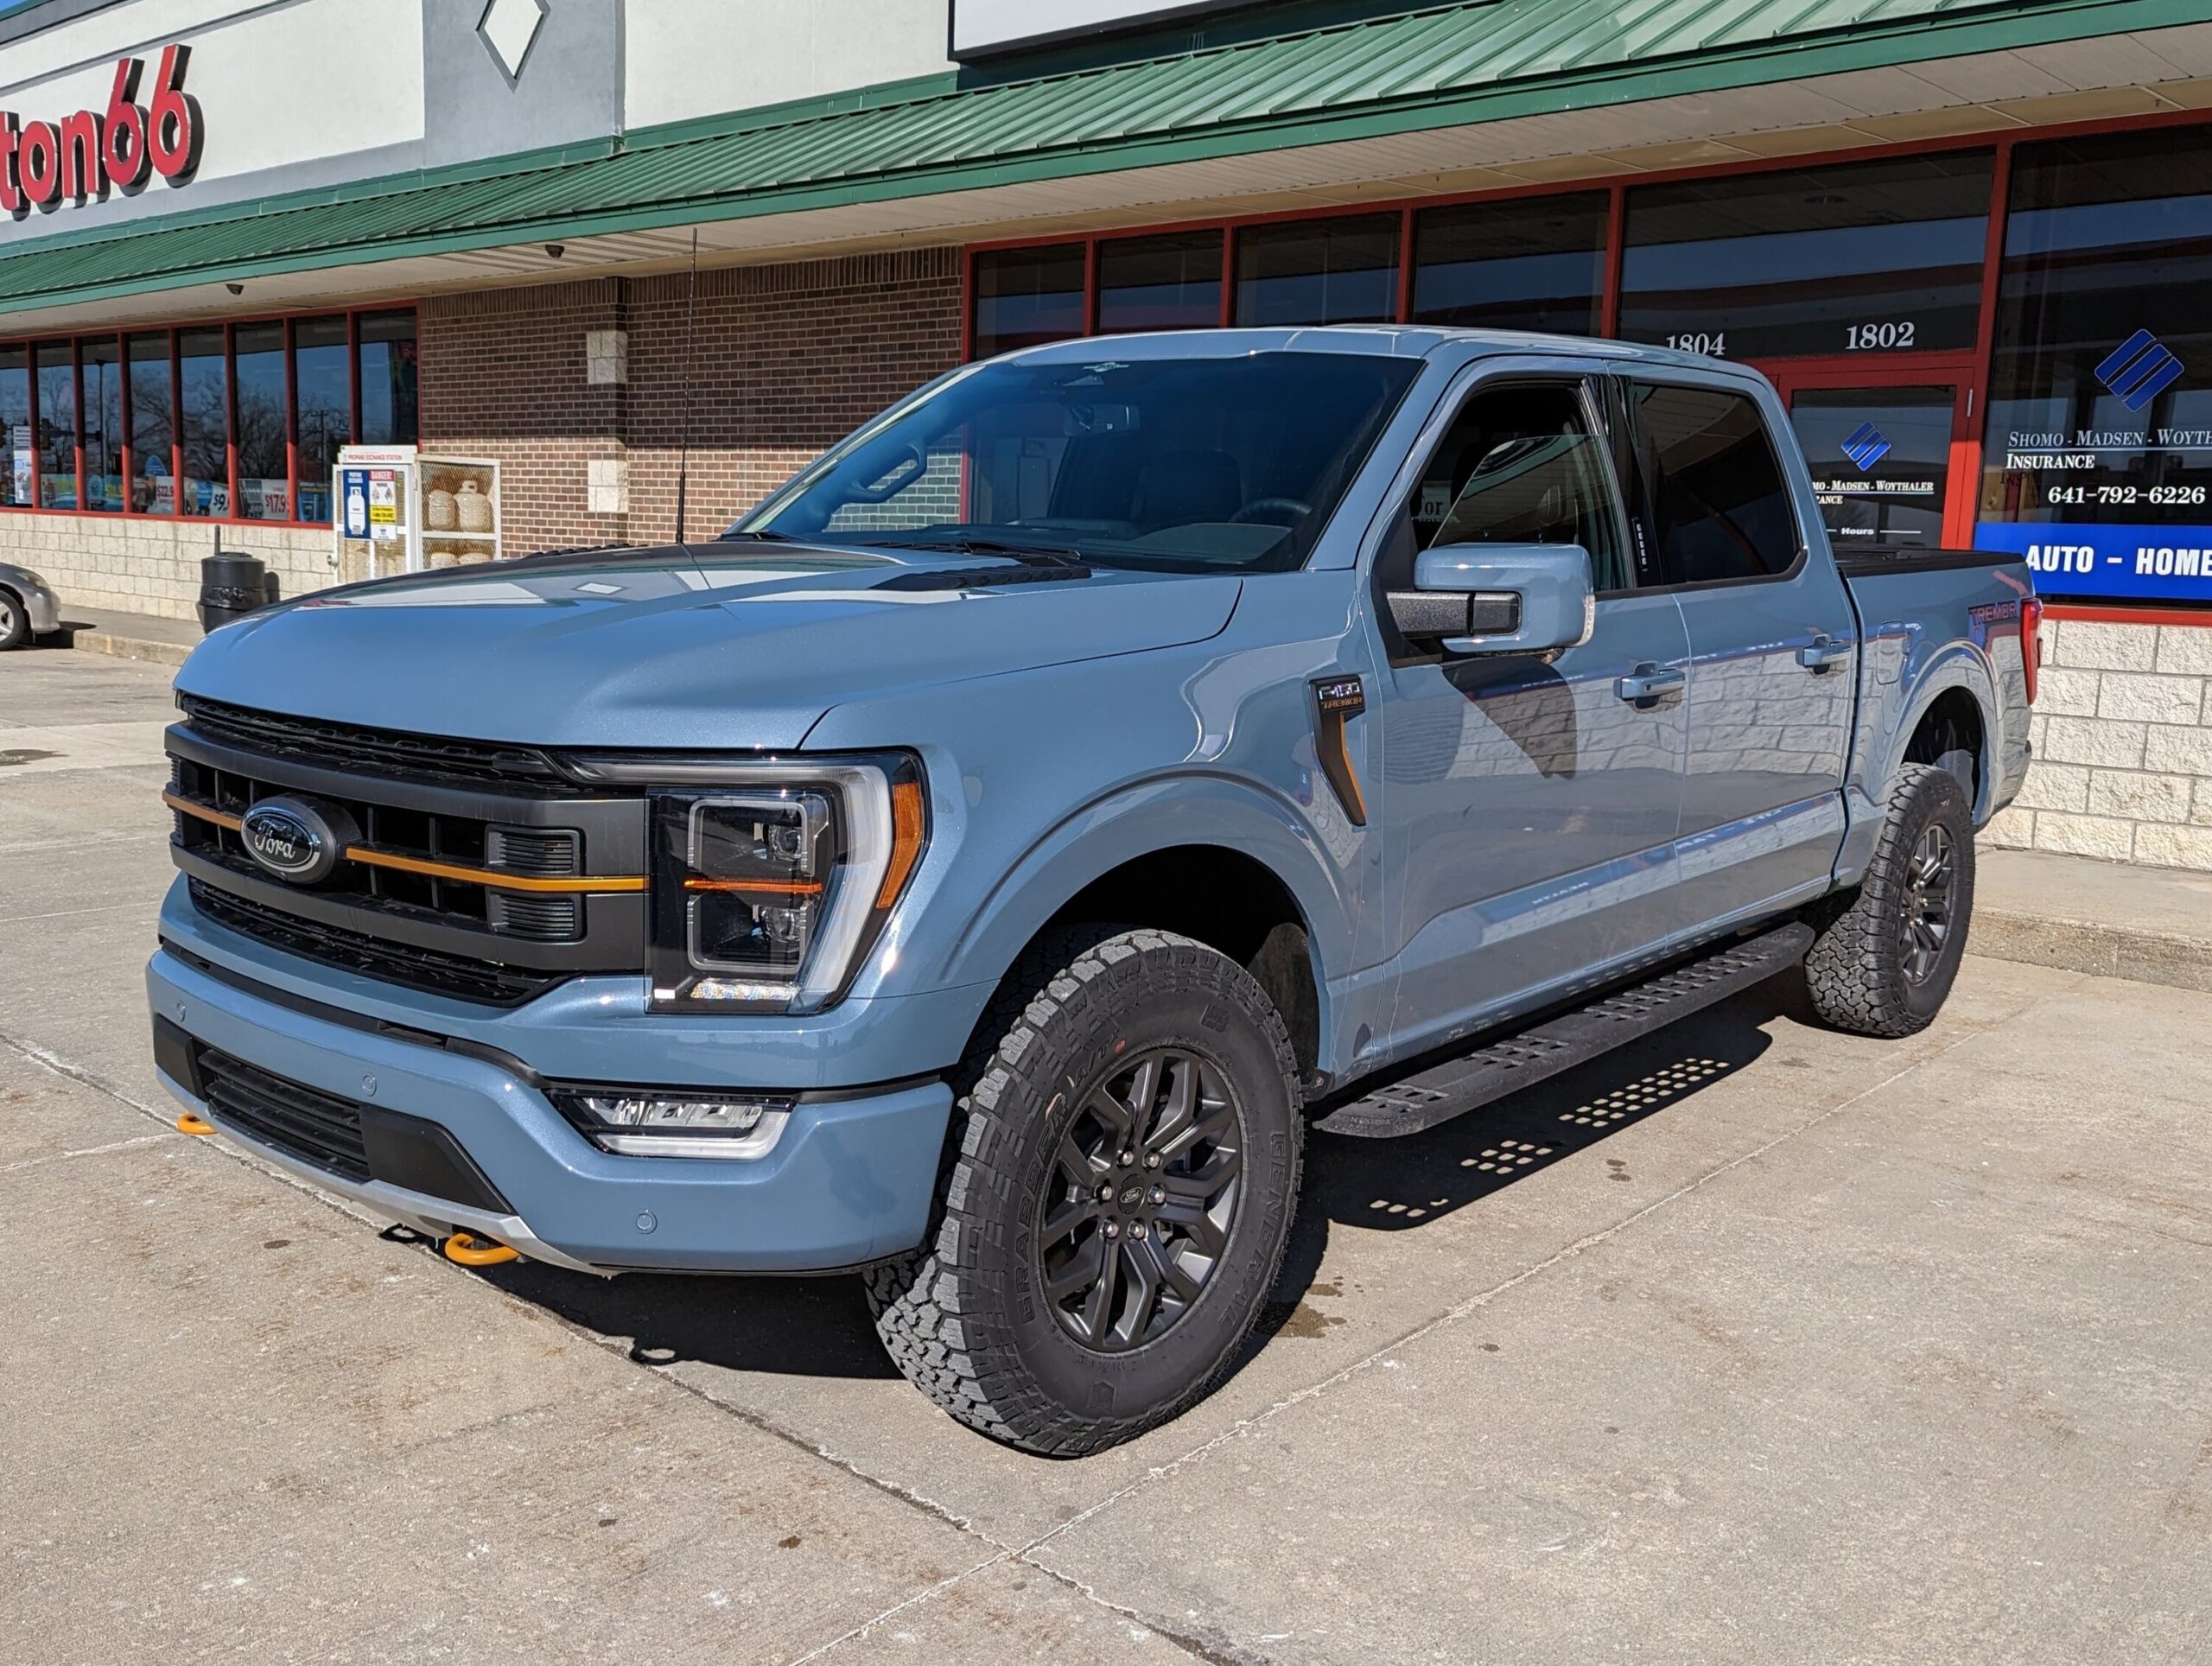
(1520, 465)
(1720, 510)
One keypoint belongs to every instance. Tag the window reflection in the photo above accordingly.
(264, 488)
(1878, 256)
(153, 428)
(1168, 282)
(57, 426)
(1025, 297)
(323, 393)
(1522, 266)
(204, 389)
(1323, 271)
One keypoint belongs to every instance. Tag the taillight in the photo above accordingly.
(2031, 642)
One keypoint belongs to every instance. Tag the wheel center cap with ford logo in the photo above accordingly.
(299, 840)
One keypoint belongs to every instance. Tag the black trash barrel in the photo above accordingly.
(230, 587)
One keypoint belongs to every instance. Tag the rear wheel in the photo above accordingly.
(1121, 1177)
(15, 621)
(1887, 954)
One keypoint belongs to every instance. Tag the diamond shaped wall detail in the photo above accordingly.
(507, 28)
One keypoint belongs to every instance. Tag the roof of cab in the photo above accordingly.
(1396, 340)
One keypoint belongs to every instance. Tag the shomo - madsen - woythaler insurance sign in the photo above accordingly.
(2143, 539)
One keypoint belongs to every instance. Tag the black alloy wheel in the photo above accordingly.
(1931, 884)
(1144, 1193)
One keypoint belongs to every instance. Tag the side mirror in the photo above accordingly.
(1498, 598)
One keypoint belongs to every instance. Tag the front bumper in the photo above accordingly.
(41, 606)
(849, 1181)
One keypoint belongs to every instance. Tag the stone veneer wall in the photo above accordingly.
(2123, 740)
(134, 566)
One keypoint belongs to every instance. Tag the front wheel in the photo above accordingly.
(1887, 953)
(15, 622)
(1122, 1172)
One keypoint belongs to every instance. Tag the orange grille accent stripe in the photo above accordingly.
(774, 888)
(492, 877)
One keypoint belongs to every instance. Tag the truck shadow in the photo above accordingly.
(820, 1327)
(1403, 1184)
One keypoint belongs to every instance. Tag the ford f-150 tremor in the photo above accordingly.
(980, 866)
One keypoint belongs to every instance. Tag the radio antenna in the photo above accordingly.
(684, 435)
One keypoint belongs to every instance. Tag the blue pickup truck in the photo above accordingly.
(980, 866)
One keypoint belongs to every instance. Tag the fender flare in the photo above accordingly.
(1961, 665)
(1166, 812)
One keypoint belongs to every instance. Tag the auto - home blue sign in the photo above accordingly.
(2125, 561)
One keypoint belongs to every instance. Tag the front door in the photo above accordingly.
(1530, 806)
(1890, 453)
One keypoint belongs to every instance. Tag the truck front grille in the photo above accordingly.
(452, 876)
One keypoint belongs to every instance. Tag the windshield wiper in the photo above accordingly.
(1029, 554)
(765, 536)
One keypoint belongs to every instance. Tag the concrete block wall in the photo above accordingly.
(145, 566)
(2123, 740)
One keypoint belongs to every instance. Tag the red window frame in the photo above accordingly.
(1970, 369)
(122, 335)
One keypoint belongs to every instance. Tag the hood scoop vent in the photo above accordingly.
(974, 578)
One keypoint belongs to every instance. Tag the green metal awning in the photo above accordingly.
(1442, 67)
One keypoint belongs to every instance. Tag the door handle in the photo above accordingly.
(1822, 652)
(1648, 682)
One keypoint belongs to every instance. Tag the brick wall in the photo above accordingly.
(2123, 739)
(786, 359)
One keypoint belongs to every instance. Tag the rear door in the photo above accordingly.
(1773, 643)
(1530, 809)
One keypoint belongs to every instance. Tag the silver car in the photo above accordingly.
(29, 607)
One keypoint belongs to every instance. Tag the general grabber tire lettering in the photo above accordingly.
(1886, 954)
(1118, 1180)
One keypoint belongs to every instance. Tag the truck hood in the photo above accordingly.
(704, 646)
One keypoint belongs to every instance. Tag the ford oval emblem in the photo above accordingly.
(295, 838)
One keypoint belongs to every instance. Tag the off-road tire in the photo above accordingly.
(1856, 968)
(965, 1316)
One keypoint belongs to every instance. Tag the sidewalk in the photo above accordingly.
(2153, 924)
(126, 636)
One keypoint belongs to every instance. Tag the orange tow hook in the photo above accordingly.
(466, 1250)
(193, 1124)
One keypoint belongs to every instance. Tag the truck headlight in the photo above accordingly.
(771, 881)
(641, 1123)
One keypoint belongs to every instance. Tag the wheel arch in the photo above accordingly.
(1212, 858)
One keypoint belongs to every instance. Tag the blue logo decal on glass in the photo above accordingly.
(2140, 370)
(1865, 446)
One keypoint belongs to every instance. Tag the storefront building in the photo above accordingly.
(1971, 242)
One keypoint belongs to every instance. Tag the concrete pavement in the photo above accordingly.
(1753, 1341)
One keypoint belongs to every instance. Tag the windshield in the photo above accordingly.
(1180, 464)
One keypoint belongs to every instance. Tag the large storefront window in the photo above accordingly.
(323, 397)
(1025, 297)
(99, 368)
(1867, 257)
(1320, 271)
(156, 418)
(204, 415)
(153, 427)
(1169, 282)
(387, 379)
(264, 470)
(15, 418)
(2098, 457)
(57, 425)
(1521, 265)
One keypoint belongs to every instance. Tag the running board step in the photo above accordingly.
(1437, 1095)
